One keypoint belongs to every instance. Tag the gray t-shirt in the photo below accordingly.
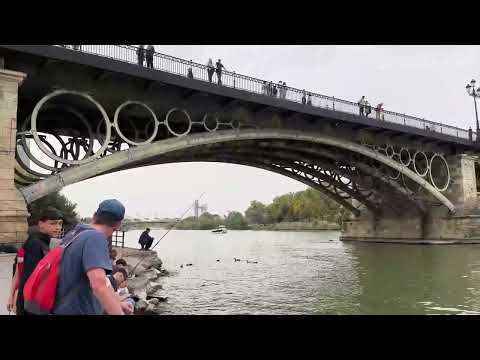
(88, 251)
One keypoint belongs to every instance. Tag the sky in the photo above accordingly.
(424, 81)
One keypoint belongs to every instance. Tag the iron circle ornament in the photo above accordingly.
(187, 116)
(434, 168)
(117, 127)
(390, 151)
(415, 165)
(204, 122)
(44, 149)
(405, 157)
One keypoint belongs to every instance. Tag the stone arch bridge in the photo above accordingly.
(68, 115)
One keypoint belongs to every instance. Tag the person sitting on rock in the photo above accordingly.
(145, 240)
(117, 277)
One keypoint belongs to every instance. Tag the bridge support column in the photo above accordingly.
(13, 210)
(437, 225)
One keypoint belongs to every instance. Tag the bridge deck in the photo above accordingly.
(170, 72)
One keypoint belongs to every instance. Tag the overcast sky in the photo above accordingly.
(424, 81)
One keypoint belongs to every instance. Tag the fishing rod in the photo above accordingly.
(178, 221)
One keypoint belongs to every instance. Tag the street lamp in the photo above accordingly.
(474, 93)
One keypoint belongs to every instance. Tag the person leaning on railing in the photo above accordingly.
(210, 69)
(220, 66)
(140, 55)
(149, 56)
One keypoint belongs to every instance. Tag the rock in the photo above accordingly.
(157, 263)
(154, 301)
(151, 274)
(150, 308)
(141, 305)
(137, 283)
(152, 287)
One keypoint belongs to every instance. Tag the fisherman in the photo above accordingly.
(145, 240)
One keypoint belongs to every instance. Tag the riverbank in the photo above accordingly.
(145, 284)
(297, 226)
(317, 225)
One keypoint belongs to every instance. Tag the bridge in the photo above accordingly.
(69, 115)
(142, 224)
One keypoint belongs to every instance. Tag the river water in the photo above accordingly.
(313, 273)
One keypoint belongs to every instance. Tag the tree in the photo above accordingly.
(235, 221)
(256, 213)
(59, 202)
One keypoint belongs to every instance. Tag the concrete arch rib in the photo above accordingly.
(75, 174)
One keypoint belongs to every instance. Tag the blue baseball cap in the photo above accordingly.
(113, 207)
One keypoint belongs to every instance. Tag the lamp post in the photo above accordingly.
(474, 93)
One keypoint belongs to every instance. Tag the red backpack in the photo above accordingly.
(40, 289)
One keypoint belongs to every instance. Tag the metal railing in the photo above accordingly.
(118, 239)
(174, 65)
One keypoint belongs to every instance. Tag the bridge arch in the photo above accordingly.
(123, 158)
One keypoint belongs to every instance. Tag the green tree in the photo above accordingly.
(235, 221)
(59, 202)
(256, 213)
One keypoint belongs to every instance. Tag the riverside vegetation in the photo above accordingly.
(303, 210)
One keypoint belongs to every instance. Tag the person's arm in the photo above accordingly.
(13, 288)
(96, 263)
(104, 293)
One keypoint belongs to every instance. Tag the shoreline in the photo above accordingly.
(145, 283)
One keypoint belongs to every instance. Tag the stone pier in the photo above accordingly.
(13, 210)
(437, 225)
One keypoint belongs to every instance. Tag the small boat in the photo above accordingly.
(220, 230)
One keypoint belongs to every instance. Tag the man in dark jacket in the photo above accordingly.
(149, 56)
(145, 239)
(49, 225)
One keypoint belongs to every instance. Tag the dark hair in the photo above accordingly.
(105, 218)
(121, 262)
(50, 213)
(147, 229)
(123, 271)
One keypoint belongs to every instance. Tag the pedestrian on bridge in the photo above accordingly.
(77, 47)
(140, 55)
(379, 112)
(309, 100)
(219, 71)
(304, 99)
(190, 71)
(149, 56)
(284, 90)
(210, 69)
(361, 105)
(274, 91)
(265, 88)
(368, 108)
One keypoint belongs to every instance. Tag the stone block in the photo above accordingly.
(7, 184)
(12, 227)
(8, 194)
(7, 174)
(7, 161)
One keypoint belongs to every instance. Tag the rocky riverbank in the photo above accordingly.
(145, 283)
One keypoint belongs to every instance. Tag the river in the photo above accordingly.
(313, 273)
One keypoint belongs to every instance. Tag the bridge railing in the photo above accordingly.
(174, 65)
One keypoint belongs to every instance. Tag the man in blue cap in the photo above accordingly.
(84, 288)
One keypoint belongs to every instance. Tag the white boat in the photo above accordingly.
(220, 230)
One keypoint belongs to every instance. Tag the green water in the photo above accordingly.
(306, 273)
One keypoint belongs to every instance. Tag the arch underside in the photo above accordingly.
(356, 180)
